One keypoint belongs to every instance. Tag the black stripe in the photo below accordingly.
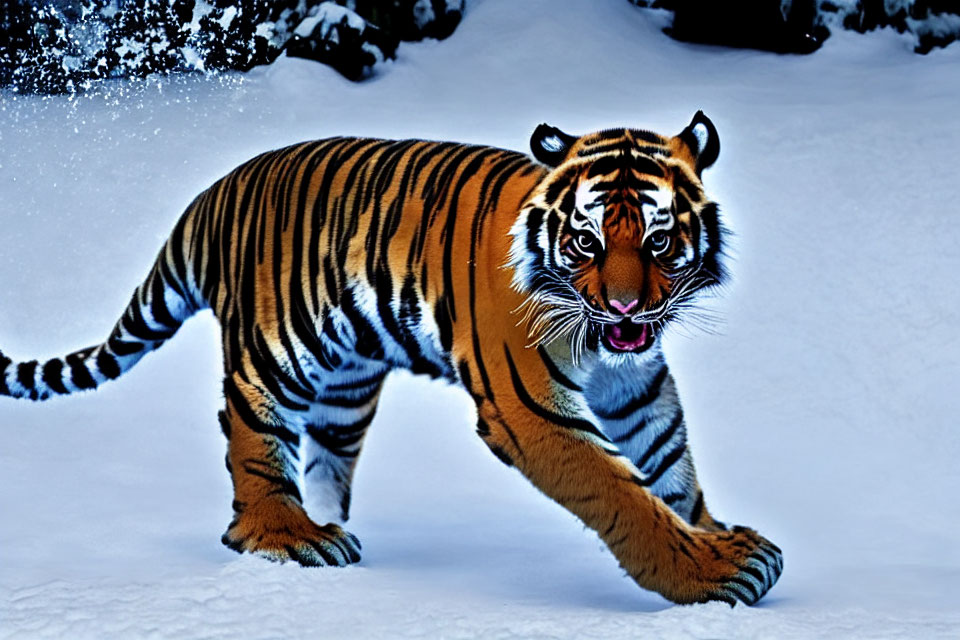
(330, 329)
(336, 442)
(748, 585)
(651, 393)
(224, 424)
(606, 134)
(467, 379)
(447, 235)
(53, 376)
(297, 556)
(108, 365)
(441, 315)
(383, 286)
(136, 326)
(483, 428)
(684, 550)
(26, 374)
(501, 454)
(260, 209)
(121, 348)
(631, 434)
(356, 384)
(171, 280)
(4, 363)
(553, 228)
(647, 136)
(341, 432)
(198, 240)
(305, 331)
(330, 280)
(555, 372)
(668, 461)
(534, 220)
(273, 375)
(215, 224)
(79, 374)
(697, 509)
(348, 403)
(177, 252)
(613, 525)
(662, 439)
(335, 437)
(250, 419)
(558, 185)
(648, 166)
(158, 306)
(445, 150)
(367, 340)
(753, 571)
(284, 484)
(326, 555)
(577, 424)
(606, 165)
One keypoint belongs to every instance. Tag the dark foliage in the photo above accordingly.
(873, 14)
(755, 24)
(801, 26)
(351, 49)
(56, 46)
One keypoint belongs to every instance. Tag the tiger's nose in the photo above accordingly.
(623, 308)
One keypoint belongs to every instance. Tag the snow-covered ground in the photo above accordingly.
(824, 414)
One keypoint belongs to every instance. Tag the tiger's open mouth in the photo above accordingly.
(628, 337)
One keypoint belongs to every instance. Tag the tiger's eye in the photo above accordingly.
(586, 242)
(659, 240)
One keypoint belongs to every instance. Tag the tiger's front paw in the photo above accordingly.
(280, 530)
(744, 566)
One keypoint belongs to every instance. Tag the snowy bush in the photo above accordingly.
(800, 26)
(62, 46)
(934, 23)
(342, 39)
(784, 27)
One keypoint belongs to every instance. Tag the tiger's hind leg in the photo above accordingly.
(334, 435)
(264, 460)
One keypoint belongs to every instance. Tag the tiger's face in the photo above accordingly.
(619, 237)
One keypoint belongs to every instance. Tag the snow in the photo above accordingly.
(327, 14)
(423, 13)
(940, 25)
(227, 18)
(823, 414)
(200, 10)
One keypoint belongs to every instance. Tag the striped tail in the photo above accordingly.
(159, 306)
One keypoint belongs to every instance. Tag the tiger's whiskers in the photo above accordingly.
(554, 310)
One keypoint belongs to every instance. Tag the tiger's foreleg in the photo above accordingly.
(639, 409)
(534, 426)
(263, 458)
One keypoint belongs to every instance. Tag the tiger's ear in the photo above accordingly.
(702, 139)
(550, 145)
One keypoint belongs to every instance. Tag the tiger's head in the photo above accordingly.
(618, 238)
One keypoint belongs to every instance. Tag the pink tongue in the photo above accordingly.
(616, 332)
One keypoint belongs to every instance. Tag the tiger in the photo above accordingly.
(540, 285)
